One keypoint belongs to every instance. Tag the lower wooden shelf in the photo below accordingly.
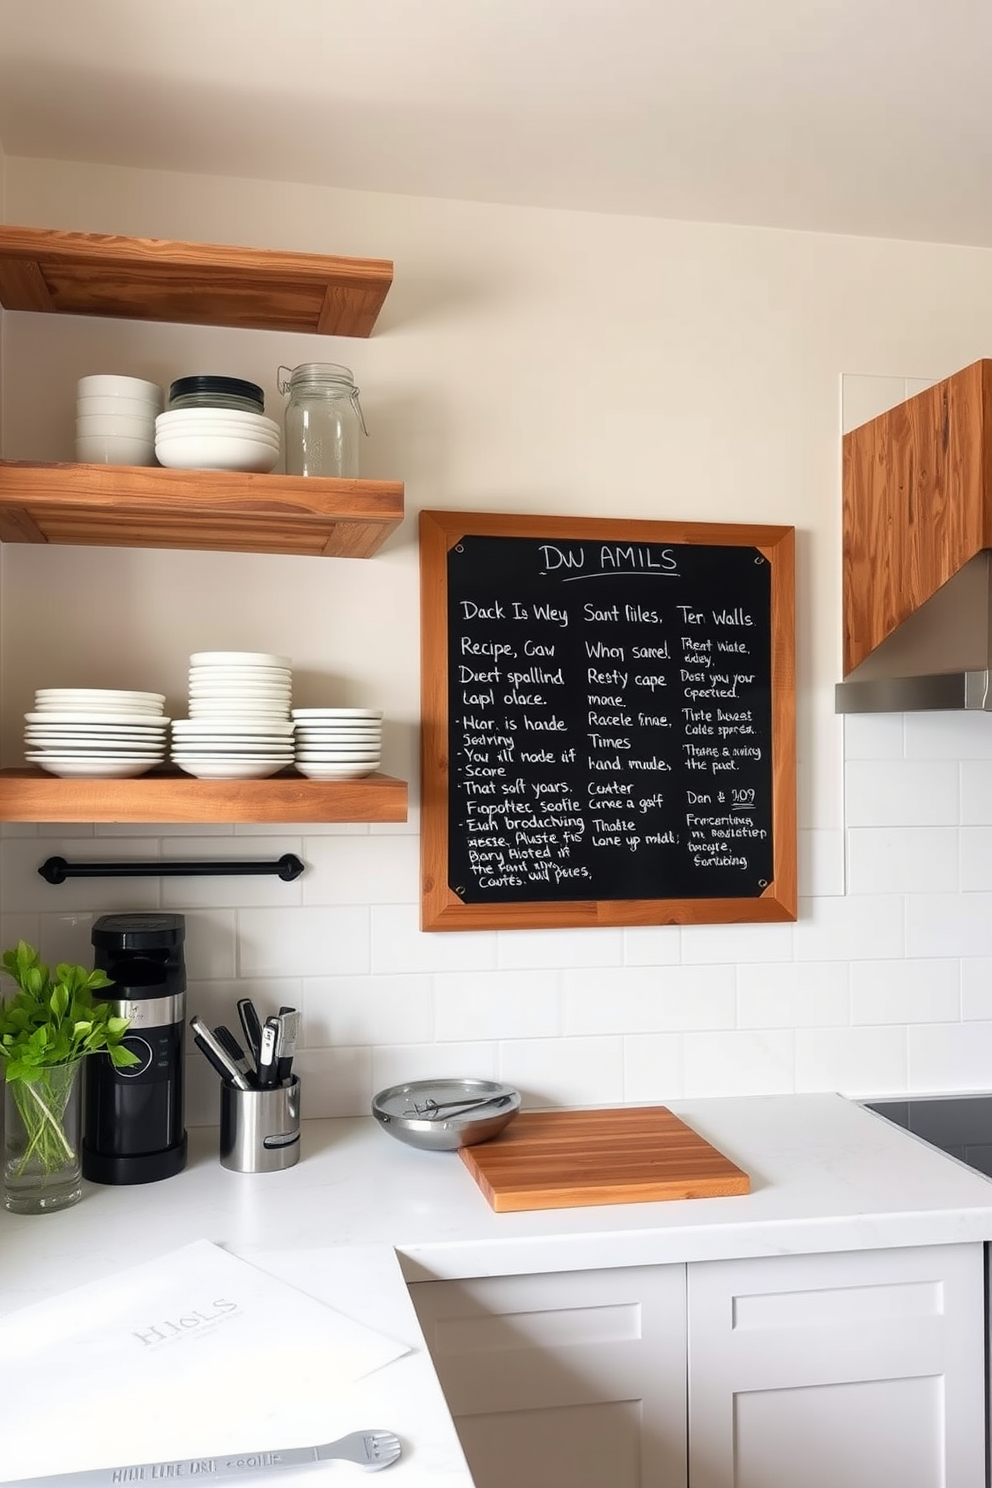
(166, 795)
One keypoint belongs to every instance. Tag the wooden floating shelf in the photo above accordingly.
(166, 795)
(71, 273)
(223, 511)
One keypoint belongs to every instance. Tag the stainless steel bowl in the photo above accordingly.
(443, 1115)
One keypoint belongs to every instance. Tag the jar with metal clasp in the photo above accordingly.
(323, 420)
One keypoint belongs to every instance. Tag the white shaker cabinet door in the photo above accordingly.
(572, 1380)
(855, 1370)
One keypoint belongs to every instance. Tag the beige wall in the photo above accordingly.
(525, 361)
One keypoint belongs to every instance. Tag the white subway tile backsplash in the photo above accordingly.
(497, 1005)
(399, 945)
(902, 793)
(948, 736)
(335, 1082)
(300, 942)
(902, 860)
(396, 1064)
(739, 1063)
(874, 736)
(868, 927)
(798, 995)
(976, 989)
(949, 924)
(361, 870)
(211, 944)
(855, 1061)
(367, 1010)
(555, 948)
(950, 1056)
(25, 889)
(646, 999)
(976, 793)
(821, 862)
(652, 945)
(708, 944)
(904, 991)
(564, 1072)
(229, 890)
(976, 858)
(652, 1067)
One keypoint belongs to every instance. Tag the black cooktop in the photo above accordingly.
(960, 1125)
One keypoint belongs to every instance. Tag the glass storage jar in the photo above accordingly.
(323, 420)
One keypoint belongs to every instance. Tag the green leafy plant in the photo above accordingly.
(46, 1028)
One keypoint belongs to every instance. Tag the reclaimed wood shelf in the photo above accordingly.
(167, 795)
(70, 273)
(222, 511)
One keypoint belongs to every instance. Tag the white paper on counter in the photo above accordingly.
(193, 1354)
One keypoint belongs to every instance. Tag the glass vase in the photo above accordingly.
(41, 1166)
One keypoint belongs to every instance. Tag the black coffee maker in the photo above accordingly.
(133, 1118)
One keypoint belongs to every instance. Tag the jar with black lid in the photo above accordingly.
(323, 420)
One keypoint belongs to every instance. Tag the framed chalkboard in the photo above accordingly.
(608, 729)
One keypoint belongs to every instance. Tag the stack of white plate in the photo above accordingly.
(239, 725)
(96, 732)
(337, 743)
(216, 439)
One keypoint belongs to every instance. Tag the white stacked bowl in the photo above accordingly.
(337, 743)
(239, 724)
(216, 439)
(115, 420)
(97, 733)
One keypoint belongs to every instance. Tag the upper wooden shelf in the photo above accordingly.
(222, 511)
(71, 273)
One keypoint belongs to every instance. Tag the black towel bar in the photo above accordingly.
(57, 870)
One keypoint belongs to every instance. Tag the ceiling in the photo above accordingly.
(852, 116)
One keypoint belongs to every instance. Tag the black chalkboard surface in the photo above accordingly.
(608, 722)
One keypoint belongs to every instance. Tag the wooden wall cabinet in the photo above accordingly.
(43, 270)
(917, 507)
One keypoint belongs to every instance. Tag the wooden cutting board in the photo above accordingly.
(620, 1155)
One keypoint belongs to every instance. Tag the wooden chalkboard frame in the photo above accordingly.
(441, 909)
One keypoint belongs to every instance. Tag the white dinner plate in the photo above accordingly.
(229, 769)
(340, 756)
(337, 712)
(103, 695)
(135, 720)
(238, 658)
(318, 770)
(280, 729)
(337, 736)
(96, 769)
(42, 735)
(87, 751)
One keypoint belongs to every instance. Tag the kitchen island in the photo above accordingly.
(839, 1304)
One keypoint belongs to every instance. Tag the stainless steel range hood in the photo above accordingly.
(939, 657)
(917, 539)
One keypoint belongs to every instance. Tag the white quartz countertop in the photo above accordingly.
(826, 1175)
(361, 1214)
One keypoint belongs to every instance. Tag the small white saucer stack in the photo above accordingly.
(337, 743)
(96, 732)
(239, 725)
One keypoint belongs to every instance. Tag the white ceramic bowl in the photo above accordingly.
(107, 385)
(114, 449)
(216, 452)
(117, 407)
(121, 426)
